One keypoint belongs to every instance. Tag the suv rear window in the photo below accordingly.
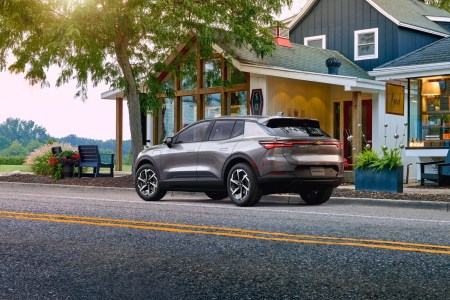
(294, 127)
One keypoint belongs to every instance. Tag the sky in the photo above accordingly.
(60, 113)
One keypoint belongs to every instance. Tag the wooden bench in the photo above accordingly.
(442, 177)
(90, 158)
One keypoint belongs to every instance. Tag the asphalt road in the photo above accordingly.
(108, 244)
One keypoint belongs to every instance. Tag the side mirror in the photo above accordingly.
(169, 142)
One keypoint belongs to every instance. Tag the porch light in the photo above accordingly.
(431, 89)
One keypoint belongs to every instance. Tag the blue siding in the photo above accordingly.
(339, 19)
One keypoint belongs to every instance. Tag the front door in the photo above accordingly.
(366, 127)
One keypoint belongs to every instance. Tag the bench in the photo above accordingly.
(90, 158)
(442, 177)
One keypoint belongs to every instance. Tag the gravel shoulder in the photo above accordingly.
(427, 193)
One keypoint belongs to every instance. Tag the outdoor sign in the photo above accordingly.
(395, 95)
(256, 102)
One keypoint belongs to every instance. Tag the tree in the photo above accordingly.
(122, 41)
(4, 142)
(23, 131)
(16, 149)
(443, 4)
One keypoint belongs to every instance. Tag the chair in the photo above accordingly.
(442, 177)
(90, 157)
(56, 150)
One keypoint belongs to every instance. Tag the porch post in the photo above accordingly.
(119, 130)
(356, 119)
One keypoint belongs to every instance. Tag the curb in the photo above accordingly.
(293, 199)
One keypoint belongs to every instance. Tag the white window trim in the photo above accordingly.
(371, 56)
(314, 38)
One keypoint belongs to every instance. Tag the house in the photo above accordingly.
(314, 74)
(426, 73)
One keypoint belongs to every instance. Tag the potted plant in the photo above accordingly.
(380, 173)
(63, 164)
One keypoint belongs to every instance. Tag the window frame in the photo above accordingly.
(356, 44)
(323, 37)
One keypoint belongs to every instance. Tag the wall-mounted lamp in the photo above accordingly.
(431, 88)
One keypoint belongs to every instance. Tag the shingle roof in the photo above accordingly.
(300, 58)
(407, 13)
(413, 12)
(437, 52)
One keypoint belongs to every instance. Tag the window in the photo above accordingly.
(318, 41)
(193, 134)
(188, 110)
(189, 76)
(235, 76)
(167, 126)
(238, 103)
(429, 112)
(238, 129)
(366, 44)
(222, 130)
(212, 72)
(213, 105)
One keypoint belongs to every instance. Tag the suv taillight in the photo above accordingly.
(280, 144)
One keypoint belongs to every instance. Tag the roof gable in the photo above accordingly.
(411, 14)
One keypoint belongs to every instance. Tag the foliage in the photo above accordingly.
(4, 143)
(12, 160)
(443, 4)
(38, 159)
(24, 131)
(369, 159)
(15, 149)
(65, 158)
(119, 42)
(366, 159)
(33, 145)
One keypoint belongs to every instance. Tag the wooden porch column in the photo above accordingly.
(119, 131)
(356, 120)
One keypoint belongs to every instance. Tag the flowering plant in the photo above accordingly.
(65, 158)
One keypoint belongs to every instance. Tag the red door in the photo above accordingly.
(366, 127)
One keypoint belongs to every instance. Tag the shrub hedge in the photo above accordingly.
(12, 160)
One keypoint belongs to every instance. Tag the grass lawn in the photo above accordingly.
(12, 168)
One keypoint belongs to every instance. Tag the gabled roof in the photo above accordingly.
(299, 58)
(433, 59)
(411, 14)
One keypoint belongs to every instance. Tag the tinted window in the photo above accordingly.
(221, 130)
(294, 128)
(194, 133)
(238, 129)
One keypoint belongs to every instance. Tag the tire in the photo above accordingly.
(242, 187)
(316, 197)
(147, 183)
(217, 195)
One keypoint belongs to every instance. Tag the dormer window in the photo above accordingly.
(366, 44)
(318, 41)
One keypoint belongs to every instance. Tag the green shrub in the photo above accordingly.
(390, 159)
(40, 165)
(12, 160)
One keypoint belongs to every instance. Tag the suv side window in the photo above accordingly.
(222, 130)
(193, 134)
(238, 129)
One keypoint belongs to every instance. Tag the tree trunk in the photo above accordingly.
(134, 110)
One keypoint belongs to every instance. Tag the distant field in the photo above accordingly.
(8, 168)
(22, 168)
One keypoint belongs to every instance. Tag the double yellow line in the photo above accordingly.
(230, 232)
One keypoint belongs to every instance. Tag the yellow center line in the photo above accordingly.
(230, 232)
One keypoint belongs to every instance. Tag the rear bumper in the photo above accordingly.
(290, 183)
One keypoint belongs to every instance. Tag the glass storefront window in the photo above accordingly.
(189, 76)
(429, 113)
(188, 110)
(167, 126)
(235, 76)
(212, 72)
(238, 103)
(213, 105)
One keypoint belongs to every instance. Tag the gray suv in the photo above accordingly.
(243, 158)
